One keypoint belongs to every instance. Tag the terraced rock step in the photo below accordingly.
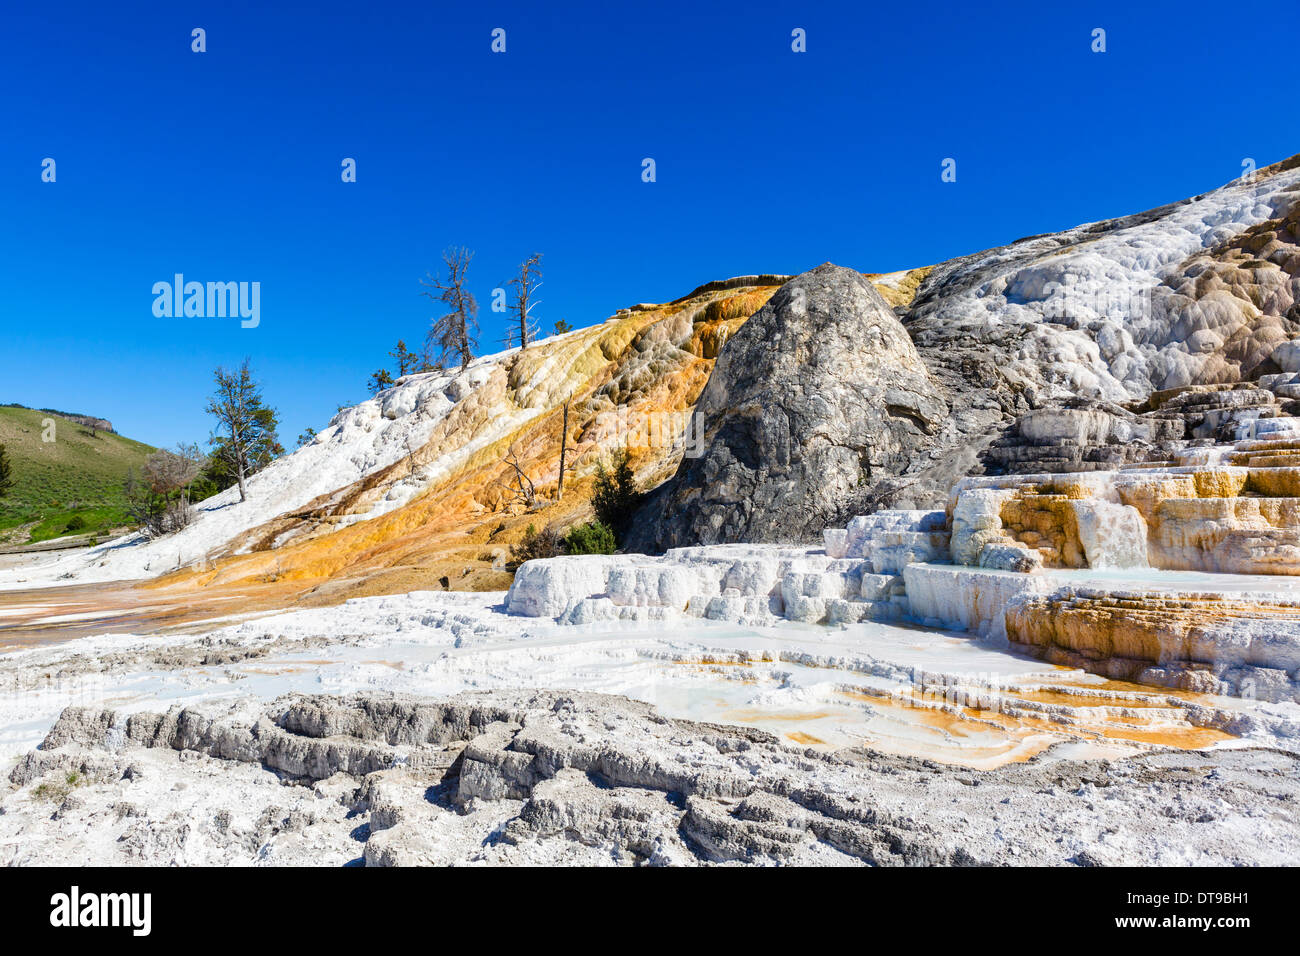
(855, 578)
(1208, 642)
(1220, 508)
(1080, 435)
(1009, 538)
(547, 777)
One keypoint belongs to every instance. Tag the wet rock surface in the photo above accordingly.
(552, 777)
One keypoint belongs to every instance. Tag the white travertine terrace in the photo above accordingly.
(1184, 572)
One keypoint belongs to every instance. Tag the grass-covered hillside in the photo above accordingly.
(71, 485)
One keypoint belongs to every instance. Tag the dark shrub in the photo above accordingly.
(616, 493)
(536, 544)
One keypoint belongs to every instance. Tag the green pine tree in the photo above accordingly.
(379, 380)
(245, 438)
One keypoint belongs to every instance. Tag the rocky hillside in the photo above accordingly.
(92, 422)
(417, 488)
(965, 380)
(843, 394)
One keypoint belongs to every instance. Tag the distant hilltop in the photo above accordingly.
(89, 421)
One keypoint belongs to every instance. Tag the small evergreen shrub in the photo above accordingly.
(595, 537)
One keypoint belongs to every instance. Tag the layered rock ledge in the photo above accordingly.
(549, 777)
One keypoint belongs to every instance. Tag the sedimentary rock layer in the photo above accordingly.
(1244, 644)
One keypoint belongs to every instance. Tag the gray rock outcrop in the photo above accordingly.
(1081, 434)
(819, 395)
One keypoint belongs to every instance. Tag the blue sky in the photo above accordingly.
(225, 165)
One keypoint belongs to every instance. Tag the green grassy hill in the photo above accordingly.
(75, 479)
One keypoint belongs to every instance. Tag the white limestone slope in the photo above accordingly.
(1108, 312)
(357, 442)
(1101, 304)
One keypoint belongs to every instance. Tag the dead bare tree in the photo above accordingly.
(564, 448)
(172, 472)
(159, 499)
(521, 488)
(453, 333)
(525, 285)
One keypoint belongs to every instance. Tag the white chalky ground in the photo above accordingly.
(894, 688)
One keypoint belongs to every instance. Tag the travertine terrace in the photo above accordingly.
(1027, 519)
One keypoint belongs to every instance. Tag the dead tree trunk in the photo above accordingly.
(564, 448)
(452, 334)
(522, 490)
(525, 285)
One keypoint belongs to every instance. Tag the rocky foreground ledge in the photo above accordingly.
(550, 777)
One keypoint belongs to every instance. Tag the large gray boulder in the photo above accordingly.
(820, 395)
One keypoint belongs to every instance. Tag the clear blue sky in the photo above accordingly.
(226, 165)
